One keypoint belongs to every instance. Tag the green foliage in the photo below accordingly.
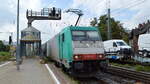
(94, 22)
(142, 68)
(122, 65)
(139, 68)
(5, 56)
(4, 47)
(117, 30)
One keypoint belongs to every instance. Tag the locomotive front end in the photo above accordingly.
(88, 50)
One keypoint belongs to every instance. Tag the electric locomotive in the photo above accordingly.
(77, 49)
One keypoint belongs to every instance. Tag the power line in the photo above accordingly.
(131, 6)
(130, 3)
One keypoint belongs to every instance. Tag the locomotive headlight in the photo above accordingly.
(76, 56)
(100, 56)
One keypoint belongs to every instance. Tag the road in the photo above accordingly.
(31, 72)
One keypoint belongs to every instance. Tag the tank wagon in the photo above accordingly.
(77, 49)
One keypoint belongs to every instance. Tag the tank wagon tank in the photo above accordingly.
(77, 49)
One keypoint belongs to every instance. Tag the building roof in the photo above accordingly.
(141, 30)
(30, 38)
(30, 29)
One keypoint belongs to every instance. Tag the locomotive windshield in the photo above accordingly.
(85, 35)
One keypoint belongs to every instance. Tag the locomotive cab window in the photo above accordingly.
(78, 35)
(93, 35)
(85, 35)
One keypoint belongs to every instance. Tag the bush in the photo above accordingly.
(5, 56)
(3, 47)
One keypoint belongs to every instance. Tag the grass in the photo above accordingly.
(5, 56)
(122, 65)
(142, 68)
(135, 67)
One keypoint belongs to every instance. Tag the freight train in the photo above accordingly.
(77, 50)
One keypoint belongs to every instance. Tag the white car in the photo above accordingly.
(117, 46)
(144, 45)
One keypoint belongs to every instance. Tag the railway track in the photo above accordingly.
(128, 73)
(130, 62)
(91, 81)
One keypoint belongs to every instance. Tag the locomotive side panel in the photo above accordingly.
(66, 47)
(53, 48)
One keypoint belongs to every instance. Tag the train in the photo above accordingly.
(77, 49)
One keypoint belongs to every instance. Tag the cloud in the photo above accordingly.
(129, 12)
(142, 14)
(49, 29)
(131, 17)
(94, 7)
(8, 15)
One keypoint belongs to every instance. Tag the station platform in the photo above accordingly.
(31, 72)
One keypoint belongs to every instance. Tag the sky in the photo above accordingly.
(129, 12)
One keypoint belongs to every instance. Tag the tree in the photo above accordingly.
(4, 47)
(117, 30)
(94, 22)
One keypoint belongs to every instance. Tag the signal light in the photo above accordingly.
(10, 40)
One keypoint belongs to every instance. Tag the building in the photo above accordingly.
(134, 34)
(30, 42)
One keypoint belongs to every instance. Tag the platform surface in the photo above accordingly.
(31, 72)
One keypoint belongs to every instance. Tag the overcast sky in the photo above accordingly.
(129, 12)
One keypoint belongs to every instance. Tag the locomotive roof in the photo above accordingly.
(78, 28)
(83, 28)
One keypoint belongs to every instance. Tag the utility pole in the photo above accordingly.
(17, 50)
(109, 35)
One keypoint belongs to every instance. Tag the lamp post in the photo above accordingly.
(17, 50)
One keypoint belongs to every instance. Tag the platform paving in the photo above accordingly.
(31, 72)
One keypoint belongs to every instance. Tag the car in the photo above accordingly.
(117, 49)
(144, 45)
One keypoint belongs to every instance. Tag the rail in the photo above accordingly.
(128, 73)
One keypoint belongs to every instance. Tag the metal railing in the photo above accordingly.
(45, 12)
